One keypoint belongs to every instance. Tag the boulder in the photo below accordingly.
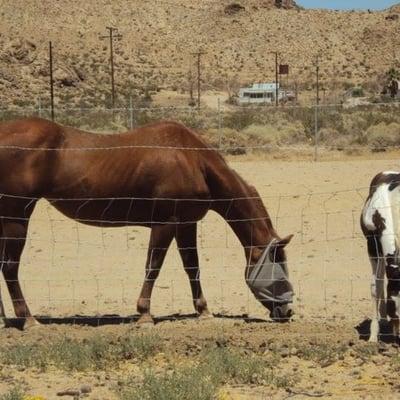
(233, 8)
(21, 51)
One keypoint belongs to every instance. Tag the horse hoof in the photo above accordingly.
(206, 315)
(145, 321)
(31, 323)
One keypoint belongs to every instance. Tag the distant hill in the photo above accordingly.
(160, 37)
(395, 8)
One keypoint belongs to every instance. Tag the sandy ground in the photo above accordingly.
(69, 269)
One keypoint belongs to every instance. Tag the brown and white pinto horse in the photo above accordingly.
(380, 224)
(161, 176)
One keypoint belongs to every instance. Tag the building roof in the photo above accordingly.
(261, 87)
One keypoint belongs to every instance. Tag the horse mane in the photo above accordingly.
(252, 193)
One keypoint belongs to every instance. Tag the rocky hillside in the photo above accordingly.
(159, 38)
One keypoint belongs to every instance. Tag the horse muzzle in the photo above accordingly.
(282, 313)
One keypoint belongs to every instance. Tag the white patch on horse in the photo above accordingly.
(382, 202)
(390, 172)
(396, 300)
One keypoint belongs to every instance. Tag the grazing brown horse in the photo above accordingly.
(161, 176)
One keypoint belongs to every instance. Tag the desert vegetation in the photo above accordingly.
(243, 130)
(175, 366)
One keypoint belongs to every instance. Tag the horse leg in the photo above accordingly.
(186, 238)
(160, 239)
(395, 324)
(14, 237)
(2, 310)
(378, 296)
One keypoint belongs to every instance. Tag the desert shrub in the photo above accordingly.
(26, 355)
(323, 353)
(231, 141)
(225, 365)
(331, 118)
(180, 384)
(241, 119)
(283, 134)
(73, 355)
(366, 350)
(357, 92)
(266, 132)
(139, 347)
(217, 366)
(384, 135)
(306, 116)
(334, 139)
(354, 124)
(193, 120)
(386, 116)
(364, 125)
(13, 394)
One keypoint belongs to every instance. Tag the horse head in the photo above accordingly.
(269, 281)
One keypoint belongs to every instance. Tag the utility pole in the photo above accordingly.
(317, 75)
(112, 34)
(199, 54)
(51, 80)
(316, 110)
(276, 80)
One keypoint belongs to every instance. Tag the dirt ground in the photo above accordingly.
(73, 270)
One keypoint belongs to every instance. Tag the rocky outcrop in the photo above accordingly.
(20, 51)
(286, 4)
(234, 8)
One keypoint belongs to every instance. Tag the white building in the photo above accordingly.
(260, 93)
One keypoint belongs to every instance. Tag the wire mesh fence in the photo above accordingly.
(70, 270)
(236, 130)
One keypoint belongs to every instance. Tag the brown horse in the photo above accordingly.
(161, 176)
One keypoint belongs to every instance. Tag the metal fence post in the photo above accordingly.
(316, 134)
(219, 124)
(130, 112)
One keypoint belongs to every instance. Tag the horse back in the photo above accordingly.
(25, 160)
(41, 152)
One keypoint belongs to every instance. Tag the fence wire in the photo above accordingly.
(70, 270)
(73, 271)
(243, 129)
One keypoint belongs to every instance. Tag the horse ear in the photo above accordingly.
(285, 241)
